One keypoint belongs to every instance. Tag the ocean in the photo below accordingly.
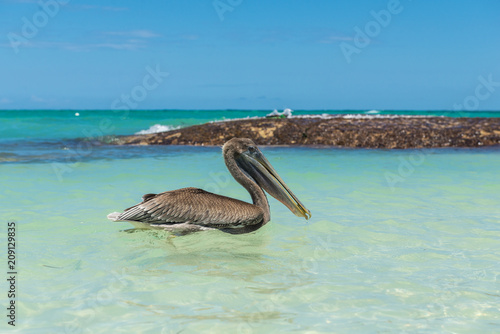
(399, 240)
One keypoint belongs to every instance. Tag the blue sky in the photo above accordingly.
(244, 54)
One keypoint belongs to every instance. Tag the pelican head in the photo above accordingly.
(254, 165)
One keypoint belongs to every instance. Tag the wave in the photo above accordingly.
(285, 114)
(157, 128)
(367, 115)
(359, 116)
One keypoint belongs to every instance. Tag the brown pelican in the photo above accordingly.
(193, 209)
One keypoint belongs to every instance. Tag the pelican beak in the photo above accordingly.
(255, 164)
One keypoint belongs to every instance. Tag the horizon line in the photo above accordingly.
(231, 109)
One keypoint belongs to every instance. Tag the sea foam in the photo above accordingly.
(157, 128)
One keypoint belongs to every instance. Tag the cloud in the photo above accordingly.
(116, 40)
(77, 6)
(23, 1)
(190, 37)
(280, 35)
(334, 39)
(133, 33)
(41, 100)
(96, 7)
(228, 85)
(5, 101)
(35, 98)
(128, 45)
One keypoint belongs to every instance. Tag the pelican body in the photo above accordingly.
(193, 209)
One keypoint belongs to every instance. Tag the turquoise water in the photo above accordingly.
(399, 240)
(57, 124)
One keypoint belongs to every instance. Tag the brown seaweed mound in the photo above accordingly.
(382, 132)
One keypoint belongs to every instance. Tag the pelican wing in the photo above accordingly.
(194, 206)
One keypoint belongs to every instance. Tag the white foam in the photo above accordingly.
(358, 116)
(329, 116)
(157, 128)
(236, 119)
(287, 113)
(274, 113)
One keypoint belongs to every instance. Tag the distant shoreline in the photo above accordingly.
(353, 131)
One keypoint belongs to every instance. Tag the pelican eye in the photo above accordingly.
(252, 149)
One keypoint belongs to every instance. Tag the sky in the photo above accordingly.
(242, 54)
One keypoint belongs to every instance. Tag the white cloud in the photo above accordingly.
(134, 33)
(91, 7)
(334, 39)
(24, 1)
(116, 40)
(126, 45)
(190, 37)
(35, 98)
(129, 45)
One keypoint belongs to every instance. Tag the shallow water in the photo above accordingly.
(399, 241)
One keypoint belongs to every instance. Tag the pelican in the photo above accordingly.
(193, 209)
